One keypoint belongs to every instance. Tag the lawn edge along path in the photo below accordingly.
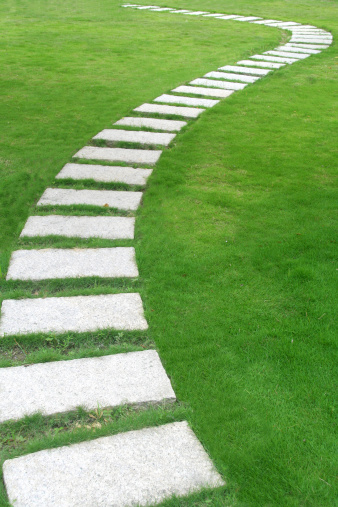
(143, 466)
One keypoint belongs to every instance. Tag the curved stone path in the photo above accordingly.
(137, 467)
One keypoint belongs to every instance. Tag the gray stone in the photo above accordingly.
(188, 101)
(230, 76)
(61, 386)
(211, 92)
(119, 155)
(105, 173)
(292, 49)
(196, 13)
(274, 59)
(286, 54)
(226, 85)
(212, 15)
(265, 21)
(108, 198)
(249, 18)
(308, 46)
(188, 112)
(72, 263)
(135, 136)
(154, 123)
(308, 31)
(134, 468)
(268, 65)
(78, 314)
(284, 23)
(80, 227)
(303, 38)
(245, 70)
(162, 9)
(180, 11)
(230, 16)
(142, 7)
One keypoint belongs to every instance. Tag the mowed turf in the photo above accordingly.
(235, 240)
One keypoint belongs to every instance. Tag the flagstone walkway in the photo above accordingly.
(136, 467)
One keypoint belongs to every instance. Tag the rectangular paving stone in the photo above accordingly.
(107, 173)
(154, 123)
(308, 46)
(119, 155)
(188, 101)
(80, 227)
(229, 76)
(319, 40)
(265, 21)
(212, 92)
(162, 9)
(292, 49)
(196, 13)
(245, 70)
(274, 59)
(61, 386)
(180, 11)
(108, 198)
(135, 136)
(249, 18)
(285, 23)
(188, 112)
(52, 263)
(139, 467)
(230, 16)
(212, 15)
(286, 54)
(78, 314)
(268, 65)
(226, 85)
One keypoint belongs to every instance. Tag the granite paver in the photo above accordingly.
(135, 136)
(154, 123)
(106, 173)
(197, 90)
(188, 101)
(188, 112)
(149, 157)
(226, 85)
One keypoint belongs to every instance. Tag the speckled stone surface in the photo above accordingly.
(119, 155)
(245, 70)
(249, 18)
(78, 314)
(268, 65)
(107, 173)
(135, 468)
(197, 90)
(308, 46)
(108, 198)
(230, 76)
(290, 47)
(273, 59)
(108, 381)
(154, 123)
(286, 54)
(319, 40)
(80, 227)
(188, 112)
(137, 136)
(188, 101)
(226, 85)
(51, 263)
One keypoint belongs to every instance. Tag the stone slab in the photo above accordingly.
(80, 227)
(249, 18)
(61, 386)
(140, 467)
(285, 23)
(135, 136)
(78, 314)
(196, 13)
(143, 7)
(230, 16)
(245, 70)
(318, 40)
(286, 54)
(154, 123)
(212, 15)
(162, 9)
(197, 90)
(188, 112)
(265, 21)
(52, 263)
(108, 198)
(268, 65)
(308, 46)
(230, 76)
(310, 31)
(119, 155)
(188, 101)
(226, 85)
(104, 173)
(274, 59)
(180, 11)
(292, 49)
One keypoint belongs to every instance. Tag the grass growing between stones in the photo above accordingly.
(234, 240)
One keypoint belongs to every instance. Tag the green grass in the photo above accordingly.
(234, 240)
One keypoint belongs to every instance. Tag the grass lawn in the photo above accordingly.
(235, 239)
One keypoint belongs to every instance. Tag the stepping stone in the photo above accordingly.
(230, 16)
(291, 49)
(107, 198)
(268, 65)
(147, 7)
(274, 59)
(265, 21)
(188, 112)
(286, 54)
(285, 23)
(170, 125)
(196, 13)
(249, 18)
(245, 70)
(78, 314)
(119, 155)
(188, 101)
(72, 263)
(61, 386)
(180, 11)
(79, 227)
(212, 15)
(238, 77)
(308, 46)
(135, 136)
(203, 91)
(105, 173)
(162, 9)
(226, 85)
(140, 467)
(311, 38)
